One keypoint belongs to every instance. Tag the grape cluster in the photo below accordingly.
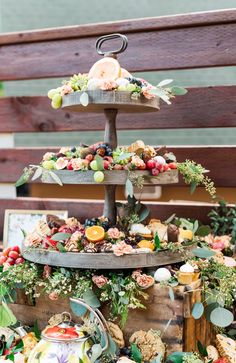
(103, 150)
(91, 222)
(135, 81)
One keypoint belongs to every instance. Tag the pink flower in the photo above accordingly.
(218, 242)
(218, 246)
(61, 163)
(113, 233)
(47, 271)
(48, 156)
(137, 161)
(223, 239)
(77, 164)
(53, 295)
(32, 240)
(145, 281)
(136, 273)
(107, 85)
(66, 88)
(99, 281)
(121, 248)
(146, 92)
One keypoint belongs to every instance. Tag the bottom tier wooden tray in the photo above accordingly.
(104, 261)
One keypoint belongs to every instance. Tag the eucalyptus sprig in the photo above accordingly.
(194, 174)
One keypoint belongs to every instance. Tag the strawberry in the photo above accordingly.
(19, 260)
(155, 172)
(172, 165)
(15, 248)
(221, 360)
(2, 259)
(69, 166)
(11, 261)
(166, 167)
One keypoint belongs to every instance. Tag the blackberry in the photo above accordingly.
(138, 238)
(136, 81)
(105, 225)
(73, 149)
(91, 222)
(125, 351)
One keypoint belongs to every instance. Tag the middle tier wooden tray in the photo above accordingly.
(104, 261)
(113, 177)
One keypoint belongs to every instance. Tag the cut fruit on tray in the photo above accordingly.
(105, 68)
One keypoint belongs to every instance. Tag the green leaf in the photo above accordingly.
(176, 357)
(11, 357)
(100, 162)
(84, 99)
(112, 347)
(91, 299)
(203, 252)
(60, 236)
(136, 354)
(7, 318)
(203, 231)
(144, 213)
(56, 178)
(193, 187)
(221, 317)
(96, 352)
(36, 330)
(157, 242)
(209, 308)
(232, 332)
(198, 310)
(165, 82)
(123, 156)
(78, 310)
(171, 294)
(129, 188)
(202, 350)
(61, 248)
(178, 91)
(24, 178)
(3, 290)
(23, 232)
(37, 174)
(170, 219)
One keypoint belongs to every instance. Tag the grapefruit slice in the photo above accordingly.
(95, 234)
(125, 73)
(105, 68)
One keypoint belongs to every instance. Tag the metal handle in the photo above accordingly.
(98, 315)
(111, 53)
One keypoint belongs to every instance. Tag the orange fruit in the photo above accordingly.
(95, 233)
(146, 244)
(125, 73)
(105, 68)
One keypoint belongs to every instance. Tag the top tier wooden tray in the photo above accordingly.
(102, 100)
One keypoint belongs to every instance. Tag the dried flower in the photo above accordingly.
(146, 92)
(33, 240)
(72, 222)
(121, 248)
(61, 163)
(100, 281)
(107, 85)
(77, 164)
(66, 88)
(137, 161)
(47, 271)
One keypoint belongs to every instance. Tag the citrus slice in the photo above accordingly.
(186, 234)
(105, 68)
(146, 244)
(125, 73)
(95, 234)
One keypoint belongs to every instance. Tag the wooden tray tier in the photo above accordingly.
(113, 177)
(101, 100)
(103, 261)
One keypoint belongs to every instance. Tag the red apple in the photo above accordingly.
(19, 260)
(151, 164)
(108, 158)
(166, 167)
(6, 251)
(15, 248)
(89, 157)
(2, 259)
(11, 261)
(155, 172)
(13, 254)
(106, 164)
(172, 165)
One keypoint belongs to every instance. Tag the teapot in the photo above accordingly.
(66, 342)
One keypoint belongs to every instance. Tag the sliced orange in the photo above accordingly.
(125, 73)
(95, 233)
(105, 68)
(146, 244)
(186, 234)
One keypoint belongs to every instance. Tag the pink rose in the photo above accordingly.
(48, 156)
(145, 281)
(121, 248)
(146, 92)
(218, 246)
(209, 239)
(137, 161)
(77, 164)
(66, 88)
(113, 233)
(47, 271)
(99, 281)
(107, 85)
(53, 296)
(223, 239)
(61, 163)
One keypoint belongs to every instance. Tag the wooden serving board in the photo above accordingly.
(103, 261)
(101, 100)
(113, 177)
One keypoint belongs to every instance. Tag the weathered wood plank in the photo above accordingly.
(174, 48)
(212, 157)
(200, 107)
(83, 209)
(127, 26)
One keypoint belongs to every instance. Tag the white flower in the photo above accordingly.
(122, 82)
(94, 84)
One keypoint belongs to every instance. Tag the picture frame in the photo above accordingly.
(18, 220)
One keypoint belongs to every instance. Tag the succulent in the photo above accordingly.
(79, 82)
